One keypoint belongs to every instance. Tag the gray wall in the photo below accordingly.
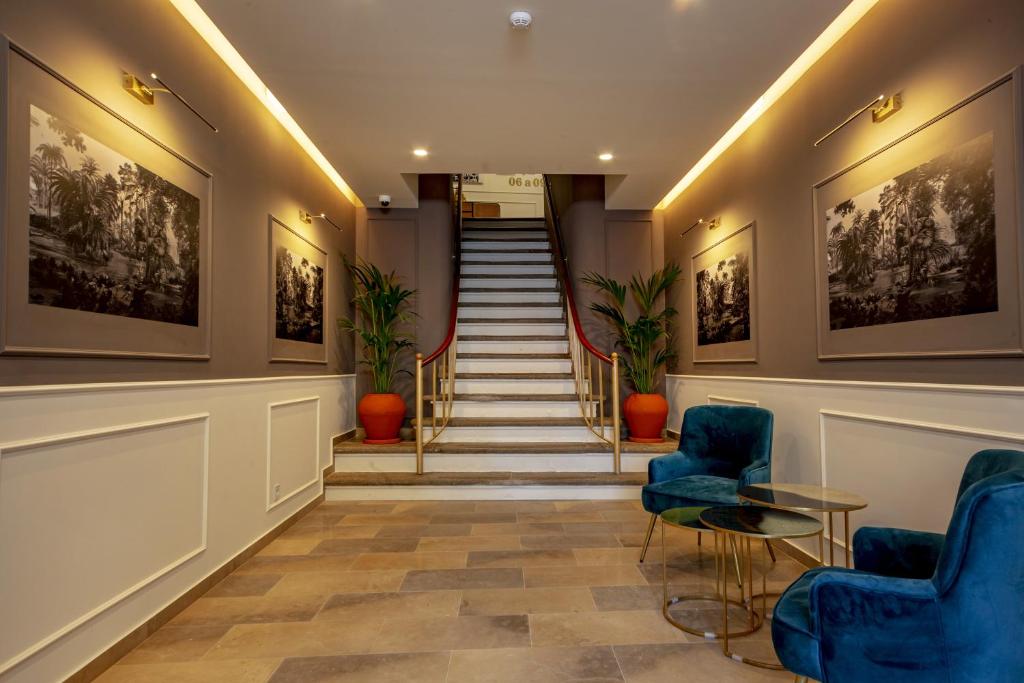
(936, 54)
(257, 169)
(417, 245)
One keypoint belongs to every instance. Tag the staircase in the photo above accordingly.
(513, 423)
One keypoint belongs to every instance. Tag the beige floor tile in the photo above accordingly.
(286, 564)
(452, 633)
(342, 546)
(525, 601)
(329, 583)
(560, 517)
(391, 605)
(521, 558)
(470, 543)
(527, 529)
(305, 639)
(416, 560)
(592, 505)
(536, 665)
(570, 541)
(515, 506)
(346, 507)
(380, 519)
(606, 556)
(602, 628)
(474, 518)
(242, 671)
(176, 644)
(243, 585)
(418, 531)
(612, 575)
(435, 507)
(626, 516)
(627, 598)
(652, 663)
(459, 579)
(257, 610)
(281, 546)
(340, 530)
(426, 667)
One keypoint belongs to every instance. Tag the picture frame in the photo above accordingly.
(931, 266)
(96, 277)
(297, 296)
(723, 299)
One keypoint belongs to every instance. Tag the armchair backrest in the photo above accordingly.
(734, 436)
(979, 579)
(984, 464)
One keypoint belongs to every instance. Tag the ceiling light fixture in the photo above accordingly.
(846, 20)
(520, 19)
(605, 156)
(420, 152)
(209, 32)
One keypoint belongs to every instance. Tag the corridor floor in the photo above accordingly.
(454, 592)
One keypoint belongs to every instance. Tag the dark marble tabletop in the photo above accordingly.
(808, 497)
(760, 522)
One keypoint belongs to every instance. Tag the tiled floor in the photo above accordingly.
(453, 592)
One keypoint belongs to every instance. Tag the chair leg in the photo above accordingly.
(698, 539)
(647, 538)
(771, 551)
(799, 679)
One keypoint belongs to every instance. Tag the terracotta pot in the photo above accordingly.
(381, 416)
(645, 414)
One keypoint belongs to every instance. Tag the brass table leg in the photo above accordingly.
(831, 542)
(753, 614)
(846, 535)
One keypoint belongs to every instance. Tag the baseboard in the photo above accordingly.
(672, 434)
(796, 553)
(344, 436)
(115, 652)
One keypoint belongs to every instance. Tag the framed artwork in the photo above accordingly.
(106, 231)
(918, 246)
(298, 297)
(724, 300)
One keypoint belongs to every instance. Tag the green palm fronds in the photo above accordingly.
(382, 306)
(642, 340)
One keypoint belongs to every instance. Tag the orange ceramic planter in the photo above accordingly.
(645, 414)
(381, 416)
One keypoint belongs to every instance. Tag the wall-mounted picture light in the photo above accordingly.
(307, 217)
(147, 94)
(709, 223)
(881, 107)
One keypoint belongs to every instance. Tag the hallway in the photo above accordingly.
(449, 591)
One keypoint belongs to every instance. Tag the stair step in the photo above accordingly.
(536, 250)
(512, 321)
(523, 290)
(506, 276)
(553, 328)
(515, 367)
(484, 238)
(517, 422)
(521, 357)
(516, 346)
(512, 337)
(515, 398)
(547, 311)
(514, 375)
(507, 304)
(339, 479)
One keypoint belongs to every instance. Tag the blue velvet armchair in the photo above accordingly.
(721, 449)
(920, 607)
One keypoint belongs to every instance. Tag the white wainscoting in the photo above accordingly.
(115, 499)
(902, 446)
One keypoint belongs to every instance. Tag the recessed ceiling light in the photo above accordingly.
(606, 156)
(420, 152)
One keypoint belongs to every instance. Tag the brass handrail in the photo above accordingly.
(442, 359)
(582, 353)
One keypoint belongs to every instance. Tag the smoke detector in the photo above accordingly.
(520, 19)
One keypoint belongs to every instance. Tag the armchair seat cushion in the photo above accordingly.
(693, 490)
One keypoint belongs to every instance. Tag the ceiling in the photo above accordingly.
(656, 82)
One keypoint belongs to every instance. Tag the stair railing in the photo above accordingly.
(584, 356)
(441, 391)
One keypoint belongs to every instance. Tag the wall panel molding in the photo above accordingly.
(898, 386)
(731, 400)
(43, 389)
(24, 447)
(271, 501)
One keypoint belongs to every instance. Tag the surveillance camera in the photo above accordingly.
(385, 200)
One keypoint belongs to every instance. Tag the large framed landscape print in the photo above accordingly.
(724, 300)
(918, 245)
(298, 297)
(106, 231)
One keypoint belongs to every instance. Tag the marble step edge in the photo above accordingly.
(485, 479)
(560, 376)
(514, 356)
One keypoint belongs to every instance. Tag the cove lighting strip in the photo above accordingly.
(209, 32)
(829, 37)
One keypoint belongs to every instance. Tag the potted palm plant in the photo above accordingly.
(643, 341)
(382, 306)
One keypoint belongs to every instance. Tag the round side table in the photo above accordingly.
(752, 522)
(809, 498)
(688, 518)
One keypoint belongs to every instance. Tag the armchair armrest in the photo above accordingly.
(673, 466)
(757, 472)
(898, 553)
(870, 626)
